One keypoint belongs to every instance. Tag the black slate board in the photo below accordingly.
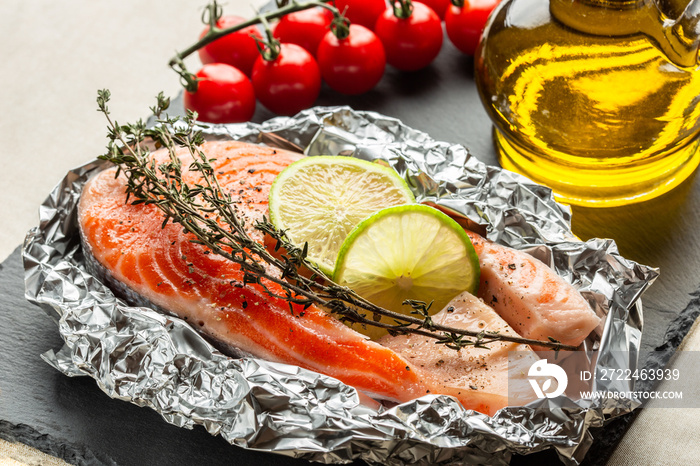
(74, 420)
(70, 417)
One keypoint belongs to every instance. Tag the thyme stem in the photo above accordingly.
(208, 213)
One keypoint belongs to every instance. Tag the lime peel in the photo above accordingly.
(407, 252)
(318, 200)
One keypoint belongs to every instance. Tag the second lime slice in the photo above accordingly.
(319, 200)
(407, 252)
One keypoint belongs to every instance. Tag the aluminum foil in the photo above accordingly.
(154, 360)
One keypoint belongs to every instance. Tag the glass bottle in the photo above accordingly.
(598, 99)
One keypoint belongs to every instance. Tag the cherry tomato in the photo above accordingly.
(224, 95)
(305, 28)
(464, 25)
(362, 12)
(289, 83)
(238, 49)
(438, 6)
(352, 65)
(410, 43)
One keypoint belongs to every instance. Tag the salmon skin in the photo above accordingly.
(145, 263)
(479, 378)
(530, 296)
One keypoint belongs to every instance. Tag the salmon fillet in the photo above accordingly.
(148, 264)
(530, 296)
(479, 378)
(165, 268)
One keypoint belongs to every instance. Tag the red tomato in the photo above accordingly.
(438, 6)
(224, 95)
(305, 28)
(411, 43)
(352, 65)
(464, 25)
(238, 49)
(289, 83)
(362, 12)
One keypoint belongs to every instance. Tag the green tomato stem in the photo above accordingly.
(212, 13)
(403, 9)
(271, 48)
(340, 26)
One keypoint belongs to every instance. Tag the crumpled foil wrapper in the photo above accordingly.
(154, 360)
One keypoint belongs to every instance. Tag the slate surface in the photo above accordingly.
(73, 419)
(70, 417)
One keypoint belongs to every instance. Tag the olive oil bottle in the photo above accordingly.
(593, 98)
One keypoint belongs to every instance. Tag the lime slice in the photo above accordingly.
(407, 252)
(319, 200)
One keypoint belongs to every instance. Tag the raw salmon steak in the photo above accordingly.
(150, 265)
(530, 296)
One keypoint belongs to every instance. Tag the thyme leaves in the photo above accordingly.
(207, 213)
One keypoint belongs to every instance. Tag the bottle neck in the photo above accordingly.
(672, 25)
(601, 17)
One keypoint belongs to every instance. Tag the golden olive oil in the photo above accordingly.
(603, 120)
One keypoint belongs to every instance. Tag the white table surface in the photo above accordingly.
(56, 55)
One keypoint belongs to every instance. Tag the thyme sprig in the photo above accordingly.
(208, 213)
